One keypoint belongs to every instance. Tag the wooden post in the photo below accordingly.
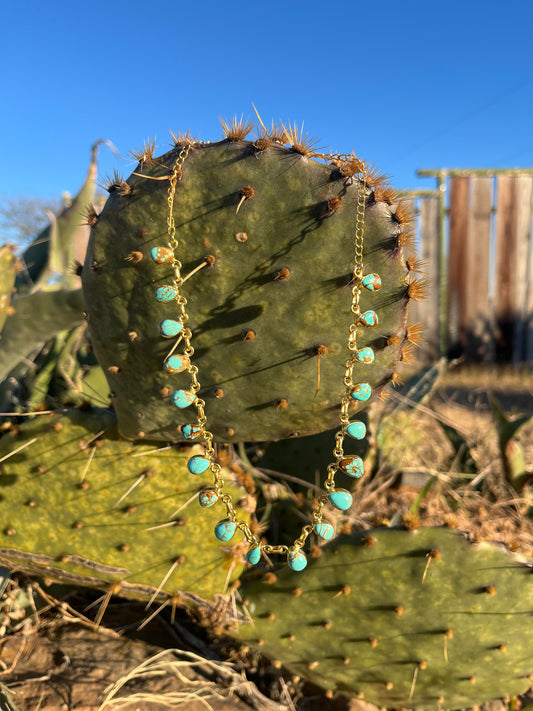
(429, 311)
(456, 281)
(524, 195)
(442, 278)
(479, 343)
(505, 305)
(529, 300)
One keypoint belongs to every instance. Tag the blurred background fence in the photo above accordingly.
(475, 236)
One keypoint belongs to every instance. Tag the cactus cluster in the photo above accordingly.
(41, 298)
(421, 618)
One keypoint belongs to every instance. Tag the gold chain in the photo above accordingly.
(226, 528)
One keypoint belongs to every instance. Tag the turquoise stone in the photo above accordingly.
(183, 398)
(361, 392)
(296, 560)
(161, 255)
(365, 355)
(254, 555)
(340, 498)
(208, 497)
(325, 530)
(165, 293)
(198, 464)
(369, 318)
(191, 431)
(176, 364)
(225, 530)
(372, 282)
(356, 429)
(353, 466)
(169, 328)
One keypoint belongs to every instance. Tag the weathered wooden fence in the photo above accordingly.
(475, 235)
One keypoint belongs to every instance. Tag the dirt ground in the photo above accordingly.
(58, 661)
(62, 663)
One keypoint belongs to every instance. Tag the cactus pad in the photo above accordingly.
(65, 513)
(7, 281)
(270, 308)
(416, 619)
(36, 318)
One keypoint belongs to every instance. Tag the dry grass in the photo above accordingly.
(168, 663)
(200, 681)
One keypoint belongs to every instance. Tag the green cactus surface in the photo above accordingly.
(54, 250)
(269, 316)
(7, 281)
(35, 319)
(414, 619)
(307, 457)
(66, 513)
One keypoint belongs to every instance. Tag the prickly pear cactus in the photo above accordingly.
(79, 505)
(53, 252)
(273, 233)
(48, 299)
(415, 619)
(36, 318)
(7, 281)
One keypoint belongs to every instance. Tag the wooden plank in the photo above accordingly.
(505, 267)
(524, 193)
(479, 343)
(529, 297)
(458, 233)
(427, 312)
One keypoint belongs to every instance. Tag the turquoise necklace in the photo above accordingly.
(175, 363)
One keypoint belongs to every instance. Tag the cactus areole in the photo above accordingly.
(266, 250)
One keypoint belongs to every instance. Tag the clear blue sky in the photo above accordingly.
(407, 84)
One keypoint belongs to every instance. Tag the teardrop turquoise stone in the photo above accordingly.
(296, 560)
(161, 255)
(369, 318)
(353, 466)
(365, 355)
(361, 392)
(183, 398)
(198, 464)
(191, 431)
(176, 364)
(372, 282)
(254, 555)
(166, 293)
(356, 429)
(208, 497)
(324, 529)
(169, 328)
(341, 499)
(225, 530)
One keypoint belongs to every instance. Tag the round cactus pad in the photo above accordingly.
(269, 308)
